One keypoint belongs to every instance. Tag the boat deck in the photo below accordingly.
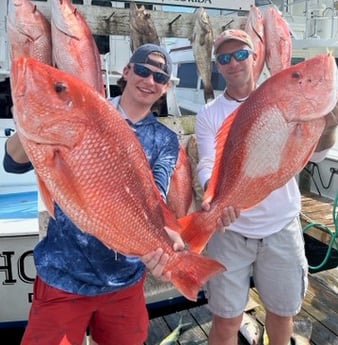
(319, 310)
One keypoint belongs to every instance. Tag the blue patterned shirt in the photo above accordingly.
(74, 261)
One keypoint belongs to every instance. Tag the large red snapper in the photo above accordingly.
(255, 28)
(180, 194)
(29, 32)
(90, 162)
(74, 47)
(278, 41)
(266, 141)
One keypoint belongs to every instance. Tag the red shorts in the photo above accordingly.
(61, 318)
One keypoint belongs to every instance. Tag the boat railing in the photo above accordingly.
(311, 19)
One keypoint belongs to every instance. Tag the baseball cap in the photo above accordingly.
(141, 55)
(232, 34)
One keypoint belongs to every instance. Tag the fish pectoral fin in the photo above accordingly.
(196, 230)
(221, 138)
(63, 176)
(67, 179)
(46, 197)
(170, 220)
(64, 134)
(202, 40)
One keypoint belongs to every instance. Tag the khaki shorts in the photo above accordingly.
(277, 264)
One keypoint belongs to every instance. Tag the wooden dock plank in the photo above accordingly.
(192, 334)
(317, 209)
(158, 329)
(203, 316)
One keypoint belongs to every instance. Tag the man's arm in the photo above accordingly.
(15, 149)
(328, 138)
(15, 160)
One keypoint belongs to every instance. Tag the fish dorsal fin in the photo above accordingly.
(221, 139)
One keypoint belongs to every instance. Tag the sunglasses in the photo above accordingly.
(145, 72)
(239, 55)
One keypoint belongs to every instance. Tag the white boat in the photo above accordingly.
(19, 232)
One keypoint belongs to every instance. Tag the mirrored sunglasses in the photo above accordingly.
(145, 72)
(238, 55)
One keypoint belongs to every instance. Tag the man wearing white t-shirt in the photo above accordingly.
(265, 242)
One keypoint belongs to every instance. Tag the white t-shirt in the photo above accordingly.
(274, 212)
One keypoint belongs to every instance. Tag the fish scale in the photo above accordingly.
(90, 162)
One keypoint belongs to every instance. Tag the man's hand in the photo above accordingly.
(228, 216)
(156, 261)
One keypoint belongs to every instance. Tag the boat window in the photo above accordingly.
(187, 73)
(295, 60)
(102, 43)
(104, 3)
(5, 100)
(263, 2)
(147, 7)
(217, 80)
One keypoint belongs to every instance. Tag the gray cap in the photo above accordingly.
(141, 55)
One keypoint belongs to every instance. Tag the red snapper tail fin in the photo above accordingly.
(192, 271)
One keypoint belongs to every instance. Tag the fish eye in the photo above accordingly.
(60, 86)
(296, 75)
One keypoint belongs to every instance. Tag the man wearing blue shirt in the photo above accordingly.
(81, 282)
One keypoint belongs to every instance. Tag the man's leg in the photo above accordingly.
(224, 331)
(278, 328)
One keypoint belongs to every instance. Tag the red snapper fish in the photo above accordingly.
(255, 28)
(266, 141)
(74, 47)
(278, 41)
(180, 195)
(29, 32)
(90, 162)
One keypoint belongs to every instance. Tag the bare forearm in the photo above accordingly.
(328, 138)
(16, 150)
